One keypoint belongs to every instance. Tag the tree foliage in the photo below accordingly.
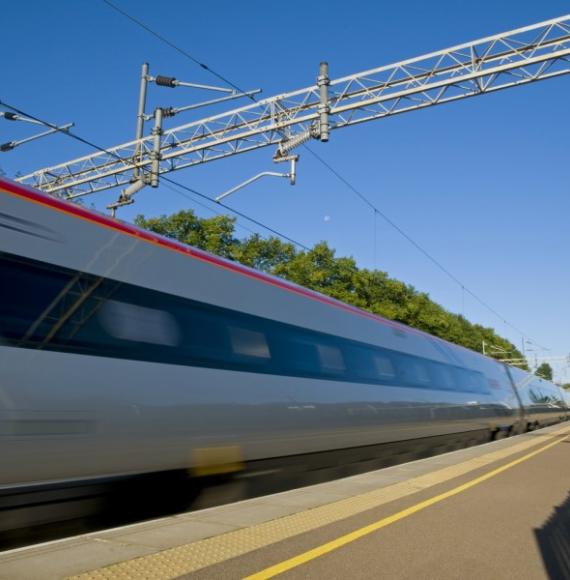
(544, 371)
(321, 270)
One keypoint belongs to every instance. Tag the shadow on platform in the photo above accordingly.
(553, 539)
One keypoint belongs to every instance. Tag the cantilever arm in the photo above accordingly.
(251, 180)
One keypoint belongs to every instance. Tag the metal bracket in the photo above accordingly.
(8, 146)
(292, 176)
(142, 179)
(126, 196)
(319, 129)
(172, 111)
(323, 82)
(142, 117)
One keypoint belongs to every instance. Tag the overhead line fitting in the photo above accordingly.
(141, 177)
(318, 130)
(9, 145)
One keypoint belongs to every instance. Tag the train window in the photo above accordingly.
(249, 343)
(478, 382)
(205, 336)
(25, 296)
(467, 380)
(369, 364)
(443, 377)
(384, 367)
(422, 373)
(299, 356)
(138, 323)
(412, 372)
(331, 359)
(360, 363)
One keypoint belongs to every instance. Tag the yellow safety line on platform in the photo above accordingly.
(366, 530)
(174, 562)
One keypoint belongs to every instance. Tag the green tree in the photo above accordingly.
(321, 270)
(544, 371)
(263, 254)
(215, 235)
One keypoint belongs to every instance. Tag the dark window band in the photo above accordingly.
(48, 307)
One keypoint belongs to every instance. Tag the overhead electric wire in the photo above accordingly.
(236, 212)
(209, 209)
(167, 179)
(335, 172)
(176, 47)
(420, 248)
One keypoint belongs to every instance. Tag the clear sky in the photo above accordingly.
(482, 184)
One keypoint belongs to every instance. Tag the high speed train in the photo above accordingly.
(124, 354)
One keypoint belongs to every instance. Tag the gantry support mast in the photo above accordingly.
(511, 59)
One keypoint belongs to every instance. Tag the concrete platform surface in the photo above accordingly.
(497, 510)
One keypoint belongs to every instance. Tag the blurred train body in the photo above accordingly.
(123, 353)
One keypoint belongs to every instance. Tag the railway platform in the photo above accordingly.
(499, 510)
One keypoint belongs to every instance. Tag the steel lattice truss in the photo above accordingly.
(514, 58)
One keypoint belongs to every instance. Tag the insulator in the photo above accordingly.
(296, 141)
(10, 116)
(162, 81)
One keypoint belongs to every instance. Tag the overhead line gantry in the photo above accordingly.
(518, 57)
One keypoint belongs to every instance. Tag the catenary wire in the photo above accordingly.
(167, 179)
(335, 172)
(175, 47)
(419, 247)
(207, 208)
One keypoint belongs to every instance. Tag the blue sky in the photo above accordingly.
(482, 184)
